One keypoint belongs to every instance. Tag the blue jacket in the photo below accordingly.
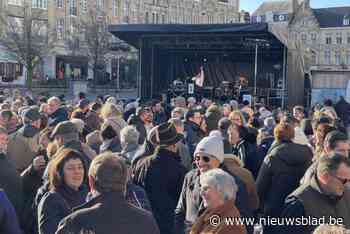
(8, 219)
(58, 116)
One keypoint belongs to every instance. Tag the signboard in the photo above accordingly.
(247, 97)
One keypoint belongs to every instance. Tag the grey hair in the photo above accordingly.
(223, 182)
(74, 136)
(129, 134)
(54, 99)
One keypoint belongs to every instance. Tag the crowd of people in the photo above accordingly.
(146, 166)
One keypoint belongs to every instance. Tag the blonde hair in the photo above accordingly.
(237, 113)
(110, 110)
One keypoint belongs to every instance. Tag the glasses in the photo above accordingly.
(342, 180)
(204, 158)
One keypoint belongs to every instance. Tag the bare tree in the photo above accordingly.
(26, 36)
(97, 39)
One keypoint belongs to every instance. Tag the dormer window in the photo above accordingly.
(346, 21)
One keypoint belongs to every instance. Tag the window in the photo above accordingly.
(303, 37)
(163, 19)
(2, 69)
(328, 40)
(84, 7)
(73, 7)
(99, 4)
(346, 20)
(337, 58)
(313, 58)
(153, 17)
(115, 7)
(327, 57)
(313, 36)
(348, 58)
(16, 23)
(41, 4)
(60, 29)
(147, 18)
(59, 3)
(157, 18)
(15, 2)
(348, 39)
(339, 38)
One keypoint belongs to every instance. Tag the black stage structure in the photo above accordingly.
(225, 51)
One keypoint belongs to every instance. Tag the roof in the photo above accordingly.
(331, 17)
(274, 6)
(132, 32)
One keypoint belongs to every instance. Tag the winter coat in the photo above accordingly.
(247, 153)
(343, 110)
(57, 204)
(161, 175)
(107, 214)
(193, 135)
(130, 150)
(9, 223)
(186, 157)
(11, 183)
(112, 145)
(190, 205)
(212, 117)
(280, 174)
(227, 210)
(309, 200)
(57, 117)
(234, 166)
(159, 117)
(23, 147)
(134, 120)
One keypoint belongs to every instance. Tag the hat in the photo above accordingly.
(31, 114)
(83, 103)
(212, 146)
(63, 128)
(167, 135)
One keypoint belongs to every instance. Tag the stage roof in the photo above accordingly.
(131, 33)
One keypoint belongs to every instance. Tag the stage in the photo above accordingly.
(225, 51)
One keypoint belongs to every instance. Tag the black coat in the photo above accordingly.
(11, 183)
(108, 214)
(193, 135)
(190, 205)
(247, 153)
(162, 176)
(55, 205)
(280, 174)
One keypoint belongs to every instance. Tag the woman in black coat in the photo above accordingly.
(66, 175)
(281, 171)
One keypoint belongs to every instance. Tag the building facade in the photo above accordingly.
(324, 35)
(64, 17)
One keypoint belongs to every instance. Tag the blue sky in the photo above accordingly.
(252, 5)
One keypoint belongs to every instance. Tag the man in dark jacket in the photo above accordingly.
(8, 219)
(162, 176)
(281, 171)
(159, 115)
(10, 180)
(93, 121)
(193, 131)
(108, 211)
(209, 154)
(343, 109)
(57, 113)
(326, 196)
